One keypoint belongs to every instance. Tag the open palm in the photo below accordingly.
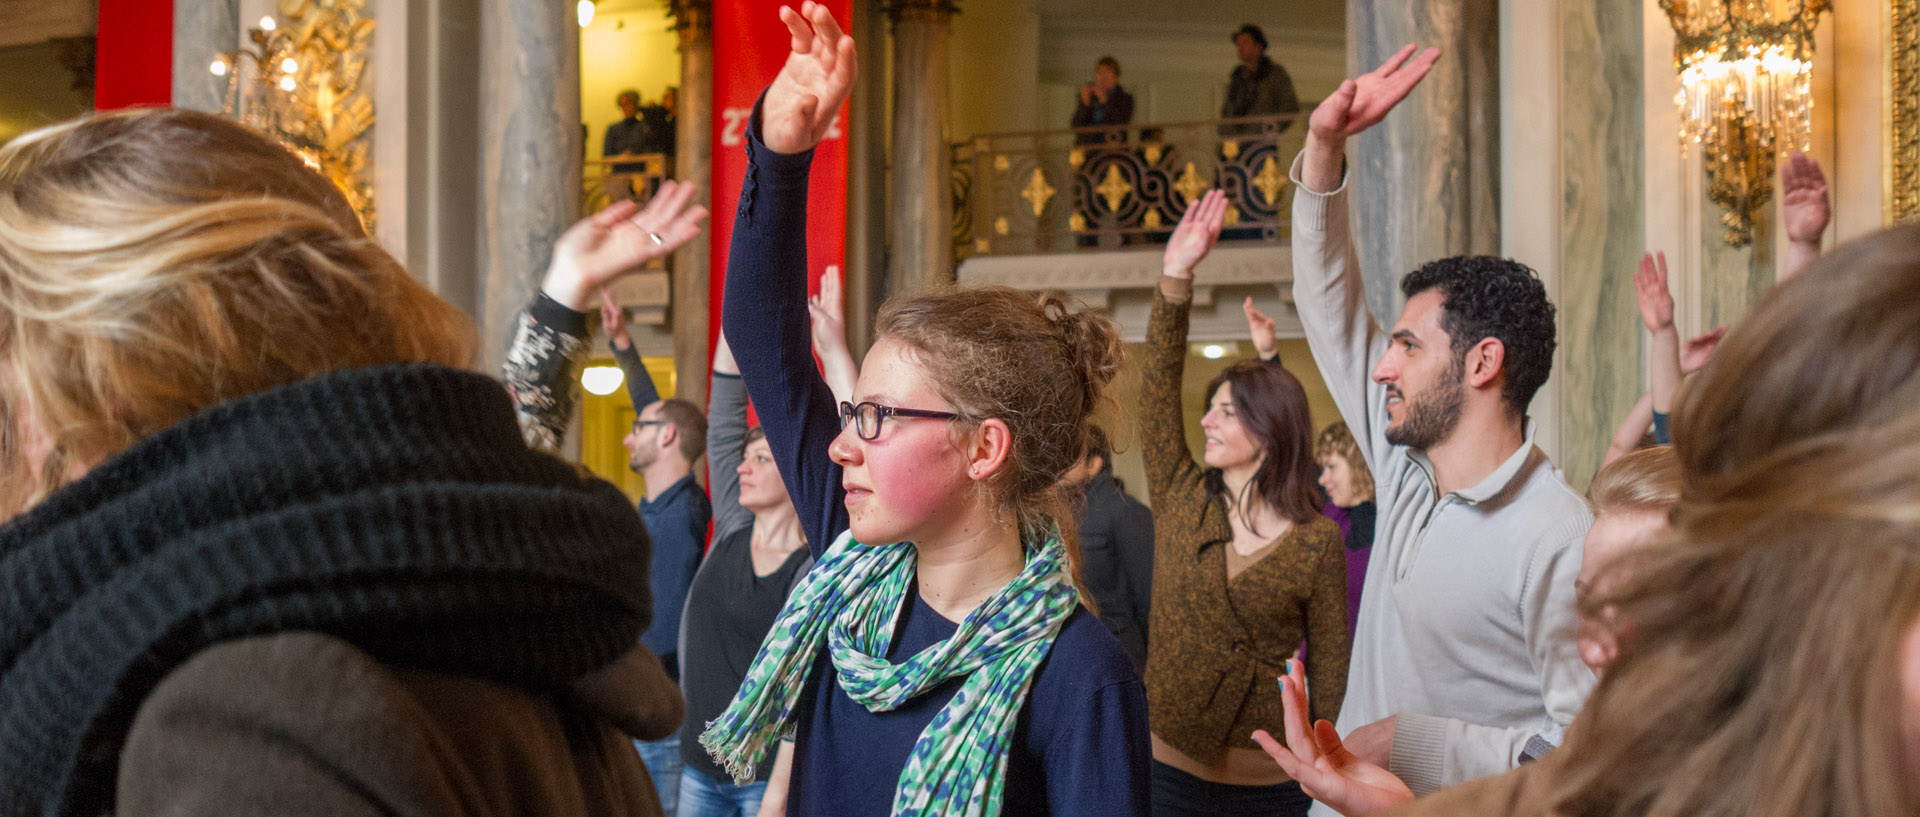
(1804, 206)
(1650, 290)
(1363, 101)
(1194, 238)
(1326, 771)
(804, 99)
(620, 239)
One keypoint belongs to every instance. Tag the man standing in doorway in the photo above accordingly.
(1467, 649)
(668, 437)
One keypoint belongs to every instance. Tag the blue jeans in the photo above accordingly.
(663, 765)
(703, 796)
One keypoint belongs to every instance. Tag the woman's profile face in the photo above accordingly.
(909, 483)
(761, 488)
(1229, 445)
(1337, 477)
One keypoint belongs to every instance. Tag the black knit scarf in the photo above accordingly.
(395, 507)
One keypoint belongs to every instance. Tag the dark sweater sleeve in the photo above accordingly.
(640, 388)
(765, 316)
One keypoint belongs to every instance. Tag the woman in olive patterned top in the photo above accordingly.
(1245, 566)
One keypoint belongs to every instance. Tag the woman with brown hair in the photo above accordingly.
(1245, 565)
(270, 548)
(1769, 658)
(936, 659)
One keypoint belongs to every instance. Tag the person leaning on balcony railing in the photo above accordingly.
(1103, 103)
(1258, 86)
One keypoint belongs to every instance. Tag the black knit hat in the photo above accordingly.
(1253, 31)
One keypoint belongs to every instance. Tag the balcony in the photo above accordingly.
(1086, 211)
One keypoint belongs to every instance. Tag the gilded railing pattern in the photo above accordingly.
(1100, 188)
(1902, 137)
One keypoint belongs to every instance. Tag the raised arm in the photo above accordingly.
(1163, 430)
(1663, 343)
(765, 312)
(1265, 334)
(827, 312)
(1626, 438)
(552, 336)
(1328, 289)
(613, 320)
(1805, 211)
(726, 427)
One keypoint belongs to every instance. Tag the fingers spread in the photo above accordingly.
(802, 42)
(612, 214)
(1394, 61)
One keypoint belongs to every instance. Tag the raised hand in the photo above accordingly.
(1315, 757)
(1363, 101)
(1804, 207)
(1699, 349)
(1265, 334)
(613, 320)
(828, 313)
(804, 99)
(829, 323)
(1650, 289)
(617, 240)
(1194, 238)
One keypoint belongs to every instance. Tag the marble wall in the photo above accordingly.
(1601, 239)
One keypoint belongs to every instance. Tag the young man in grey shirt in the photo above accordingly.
(1464, 649)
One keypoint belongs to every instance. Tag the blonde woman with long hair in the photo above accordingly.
(270, 547)
(1769, 653)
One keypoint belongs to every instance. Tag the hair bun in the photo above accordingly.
(1092, 342)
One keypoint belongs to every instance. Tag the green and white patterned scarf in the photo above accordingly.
(850, 601)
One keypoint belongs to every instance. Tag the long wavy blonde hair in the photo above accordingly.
(157, 262)
(1760, 675)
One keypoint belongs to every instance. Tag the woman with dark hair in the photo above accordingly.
(1245, 565)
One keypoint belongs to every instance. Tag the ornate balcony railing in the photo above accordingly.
(657, 167)
(1102, 188)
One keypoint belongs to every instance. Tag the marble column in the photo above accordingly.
(1426, 181)
(1602, 226)
(693, 161)
(866, 280)
(530, 155)
(920, 211)
(201, 30)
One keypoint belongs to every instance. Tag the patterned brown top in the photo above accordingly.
(1216, 648)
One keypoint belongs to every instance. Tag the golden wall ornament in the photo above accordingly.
(1902, 116)
(299, 82)
(1745, 94)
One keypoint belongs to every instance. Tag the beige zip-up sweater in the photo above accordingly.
(1466, 630)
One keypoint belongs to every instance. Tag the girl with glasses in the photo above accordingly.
(937, 658)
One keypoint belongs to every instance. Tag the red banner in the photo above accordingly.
(750, 44)
(134, 54)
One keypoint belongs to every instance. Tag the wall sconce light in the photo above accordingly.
(1745, 98)
(585, 12)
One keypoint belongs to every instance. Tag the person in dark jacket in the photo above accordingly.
(270, 547)
(1116, 547)
(1258, 86)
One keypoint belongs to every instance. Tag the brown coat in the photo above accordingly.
(1216, 648)
(306, 724)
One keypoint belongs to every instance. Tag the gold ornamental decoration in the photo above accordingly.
(299, 82)
(1902, 114)
(1746, 69)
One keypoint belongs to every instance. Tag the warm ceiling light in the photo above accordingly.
(601, 380)
(585, 12)
(286, 83)
(219, 68)
(267, 23)
(1213, 351)
(289, 66)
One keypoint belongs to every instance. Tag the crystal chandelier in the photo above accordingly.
(1745, 67)
(299, 83)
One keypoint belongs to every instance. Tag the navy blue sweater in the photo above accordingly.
(1080, 746)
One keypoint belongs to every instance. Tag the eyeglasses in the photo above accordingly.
(866, 417)
(640, 424)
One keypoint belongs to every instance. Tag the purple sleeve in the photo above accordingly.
(765, 318)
